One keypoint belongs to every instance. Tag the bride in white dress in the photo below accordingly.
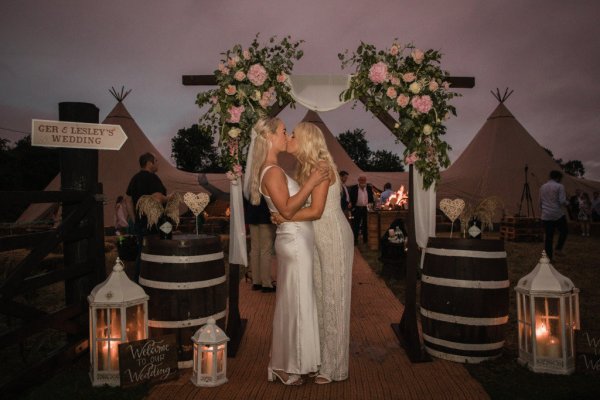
(334, 250)
(295, 343)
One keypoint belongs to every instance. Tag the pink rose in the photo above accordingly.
(237, 169)
(246, 54)
(221, 67)
(446, 85)
(214, 99)
(281, 77)
(422, 104)
(403, 100)
(394, 50)
(395, 81)
(225, 71)
(391, 93)
(411, 158)
(378, 72)
(239, 76)
(433, 86)
(230, 90)
(417, 55)
(235, 114)
(257, 74)
(409, 77)
(233, 61)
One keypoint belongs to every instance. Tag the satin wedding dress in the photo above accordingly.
(295, 345)
(333, 282)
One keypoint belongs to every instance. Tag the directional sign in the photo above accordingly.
(77, 135)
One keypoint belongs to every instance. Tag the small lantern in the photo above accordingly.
(548, 314)
(210, 355)
(118, 314)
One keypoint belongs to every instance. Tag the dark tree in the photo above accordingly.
(575, 168)
(194, 150)
(559, 161)
(356, 146)
(385, 161)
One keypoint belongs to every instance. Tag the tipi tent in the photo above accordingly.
(493, 164)
(115, 169)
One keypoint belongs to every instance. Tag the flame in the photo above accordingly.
(398, 199)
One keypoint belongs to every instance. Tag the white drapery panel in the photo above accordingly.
(237, 225)
(424, 210)
(319, 92)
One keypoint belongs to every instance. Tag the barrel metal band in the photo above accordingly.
(456, 319)
(182, 259)
(182, 285)
(185, 323)
(434, 280)
(457, 358)
(464, 346)
(465, 253)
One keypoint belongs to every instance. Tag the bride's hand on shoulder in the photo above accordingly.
(318, 175)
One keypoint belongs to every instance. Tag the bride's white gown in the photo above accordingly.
(333, 283)
(295, 345)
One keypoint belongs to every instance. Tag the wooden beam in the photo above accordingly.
(456, 82)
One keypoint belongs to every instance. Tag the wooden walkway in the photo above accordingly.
(379, 367)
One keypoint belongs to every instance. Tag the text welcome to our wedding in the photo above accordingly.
(148, 360)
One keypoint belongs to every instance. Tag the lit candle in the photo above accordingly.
(207, 361)
(553, 347)
(541, 338)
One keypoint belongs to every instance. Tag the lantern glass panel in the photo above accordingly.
(220, 358)
(135, 323)
(547, 327)
(195, 365)
(115, 323)
(569, 326)
(101, 323)
(108, 355)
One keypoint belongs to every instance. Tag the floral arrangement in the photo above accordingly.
(410, 84)
(250, 82)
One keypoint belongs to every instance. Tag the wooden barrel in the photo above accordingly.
(185, 279)
(464, 299)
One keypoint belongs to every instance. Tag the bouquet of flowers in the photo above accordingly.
(409, 83)
(250, 82)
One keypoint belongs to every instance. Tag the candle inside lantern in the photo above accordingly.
(207, 360)
(541, 338)
(553, 347)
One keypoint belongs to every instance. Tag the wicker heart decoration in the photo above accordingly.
(196, 202)
(452, 208)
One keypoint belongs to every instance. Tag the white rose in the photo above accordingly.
(397, 125)
(234, 132)
(415, 87)
(427, 129)
(257, 95)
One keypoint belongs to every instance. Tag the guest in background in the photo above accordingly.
(585, 213)
(387, 192)
(262, 236)
(595, 207)
(552, 200)
(574, 205)
(361, 196)
(344, 195)
(121, 216)
(145, 182)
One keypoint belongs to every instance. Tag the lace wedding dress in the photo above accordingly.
(333, 280)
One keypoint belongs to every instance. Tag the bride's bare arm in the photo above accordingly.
(275, 186)
(317, 204)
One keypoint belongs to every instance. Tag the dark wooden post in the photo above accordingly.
(79, 171)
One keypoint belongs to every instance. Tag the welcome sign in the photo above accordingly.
(78, 135)
(148, 360)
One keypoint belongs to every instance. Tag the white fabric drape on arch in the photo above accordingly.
(322, 93)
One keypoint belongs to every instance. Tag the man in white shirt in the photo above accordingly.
(553, 201)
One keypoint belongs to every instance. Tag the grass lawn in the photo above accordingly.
(504, 378)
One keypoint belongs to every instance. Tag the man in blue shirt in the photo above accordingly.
(553, 201)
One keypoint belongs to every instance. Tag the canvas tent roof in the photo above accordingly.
(493, 164)
(115, 169)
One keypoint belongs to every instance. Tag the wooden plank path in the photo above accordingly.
(379, 367)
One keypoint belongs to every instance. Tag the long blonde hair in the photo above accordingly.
(264, 126)
(311, 150)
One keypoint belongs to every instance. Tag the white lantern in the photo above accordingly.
(548, 314)
(118, 314)
(210, 355)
